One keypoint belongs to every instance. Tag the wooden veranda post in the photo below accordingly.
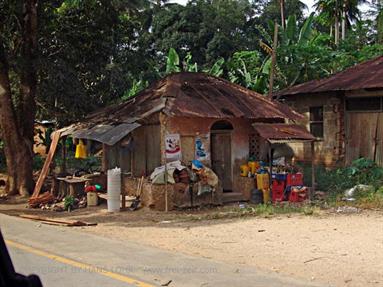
(312, 193)
(271, 169)
(166, 184)
(63, 154)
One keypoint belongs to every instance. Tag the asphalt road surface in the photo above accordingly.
(64, 256)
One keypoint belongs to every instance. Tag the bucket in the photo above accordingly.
(256, 196)
(92, 199)
(114, 189)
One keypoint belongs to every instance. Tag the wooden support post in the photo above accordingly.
(271, 169)
(132, 163)
(63, 154)
(72, 190)
(312, 193)
(123, 194)
(104, 158)
(166, 185)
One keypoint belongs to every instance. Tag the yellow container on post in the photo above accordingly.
(81, 150)
(263, 181)
(244, 170)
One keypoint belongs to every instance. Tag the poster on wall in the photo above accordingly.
(173, 147)
(201, 143)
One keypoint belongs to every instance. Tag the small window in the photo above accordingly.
(316, 121)
(254, 149)
(364, 104)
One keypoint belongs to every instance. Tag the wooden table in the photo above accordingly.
(71, 185)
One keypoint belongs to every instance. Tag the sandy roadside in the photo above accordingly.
(337, 249)
(341, 250)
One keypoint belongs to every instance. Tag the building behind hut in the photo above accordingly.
(344, 112)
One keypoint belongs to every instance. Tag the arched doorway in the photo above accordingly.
(221, 161)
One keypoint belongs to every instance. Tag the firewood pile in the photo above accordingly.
(42, 199)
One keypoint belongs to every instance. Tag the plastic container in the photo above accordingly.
(278, 188)
(254, 166)
(256, 196)
(114, 189)
(244, 170)
(80, 150)
(279, 176)
(294, 179)
(263, 181)
(91, 199)
(298, 194)
(266, 195)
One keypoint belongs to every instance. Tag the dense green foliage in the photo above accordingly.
(361, 171)
(96, 52)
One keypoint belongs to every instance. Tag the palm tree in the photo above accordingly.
(330, 12)
(335, 12)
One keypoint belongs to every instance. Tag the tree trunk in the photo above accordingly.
(344, 22)
(283, 20)
(379, 22)
(336, 30)
(17, 122)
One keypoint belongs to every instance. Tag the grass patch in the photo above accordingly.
(262, 210)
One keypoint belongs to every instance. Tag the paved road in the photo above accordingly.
(64, 256)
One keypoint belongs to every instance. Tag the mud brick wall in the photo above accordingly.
(329, 149)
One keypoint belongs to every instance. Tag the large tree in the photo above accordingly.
(18, 81)
(62, 59)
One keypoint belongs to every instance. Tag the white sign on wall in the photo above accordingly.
(173, 147)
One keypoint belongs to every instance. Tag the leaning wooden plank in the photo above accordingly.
(44, 198)
(47, 163)
(57, 221)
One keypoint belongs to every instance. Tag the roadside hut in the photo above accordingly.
(185, 116)
(344, 112)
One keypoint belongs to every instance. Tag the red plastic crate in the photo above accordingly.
(278, 185)
(298, 194)
(278, 188)
(294, 179)
(277, 196)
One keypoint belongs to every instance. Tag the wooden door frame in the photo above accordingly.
(229, 132)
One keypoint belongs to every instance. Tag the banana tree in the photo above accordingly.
(299, 51)
(249, 70)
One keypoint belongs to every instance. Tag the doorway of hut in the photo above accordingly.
(221, 162)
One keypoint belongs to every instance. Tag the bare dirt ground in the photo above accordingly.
(338, 249)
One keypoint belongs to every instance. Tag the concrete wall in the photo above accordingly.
(330, 149)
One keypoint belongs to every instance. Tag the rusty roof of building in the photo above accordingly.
(366, 75)
(283, 132)
(195, 95)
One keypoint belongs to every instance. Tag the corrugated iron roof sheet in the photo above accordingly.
(283, 132)
(367, 75)
(195, 95)
(106, 134)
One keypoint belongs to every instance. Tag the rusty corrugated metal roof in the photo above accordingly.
(196, 95)
(366, 75)
(283, 132)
